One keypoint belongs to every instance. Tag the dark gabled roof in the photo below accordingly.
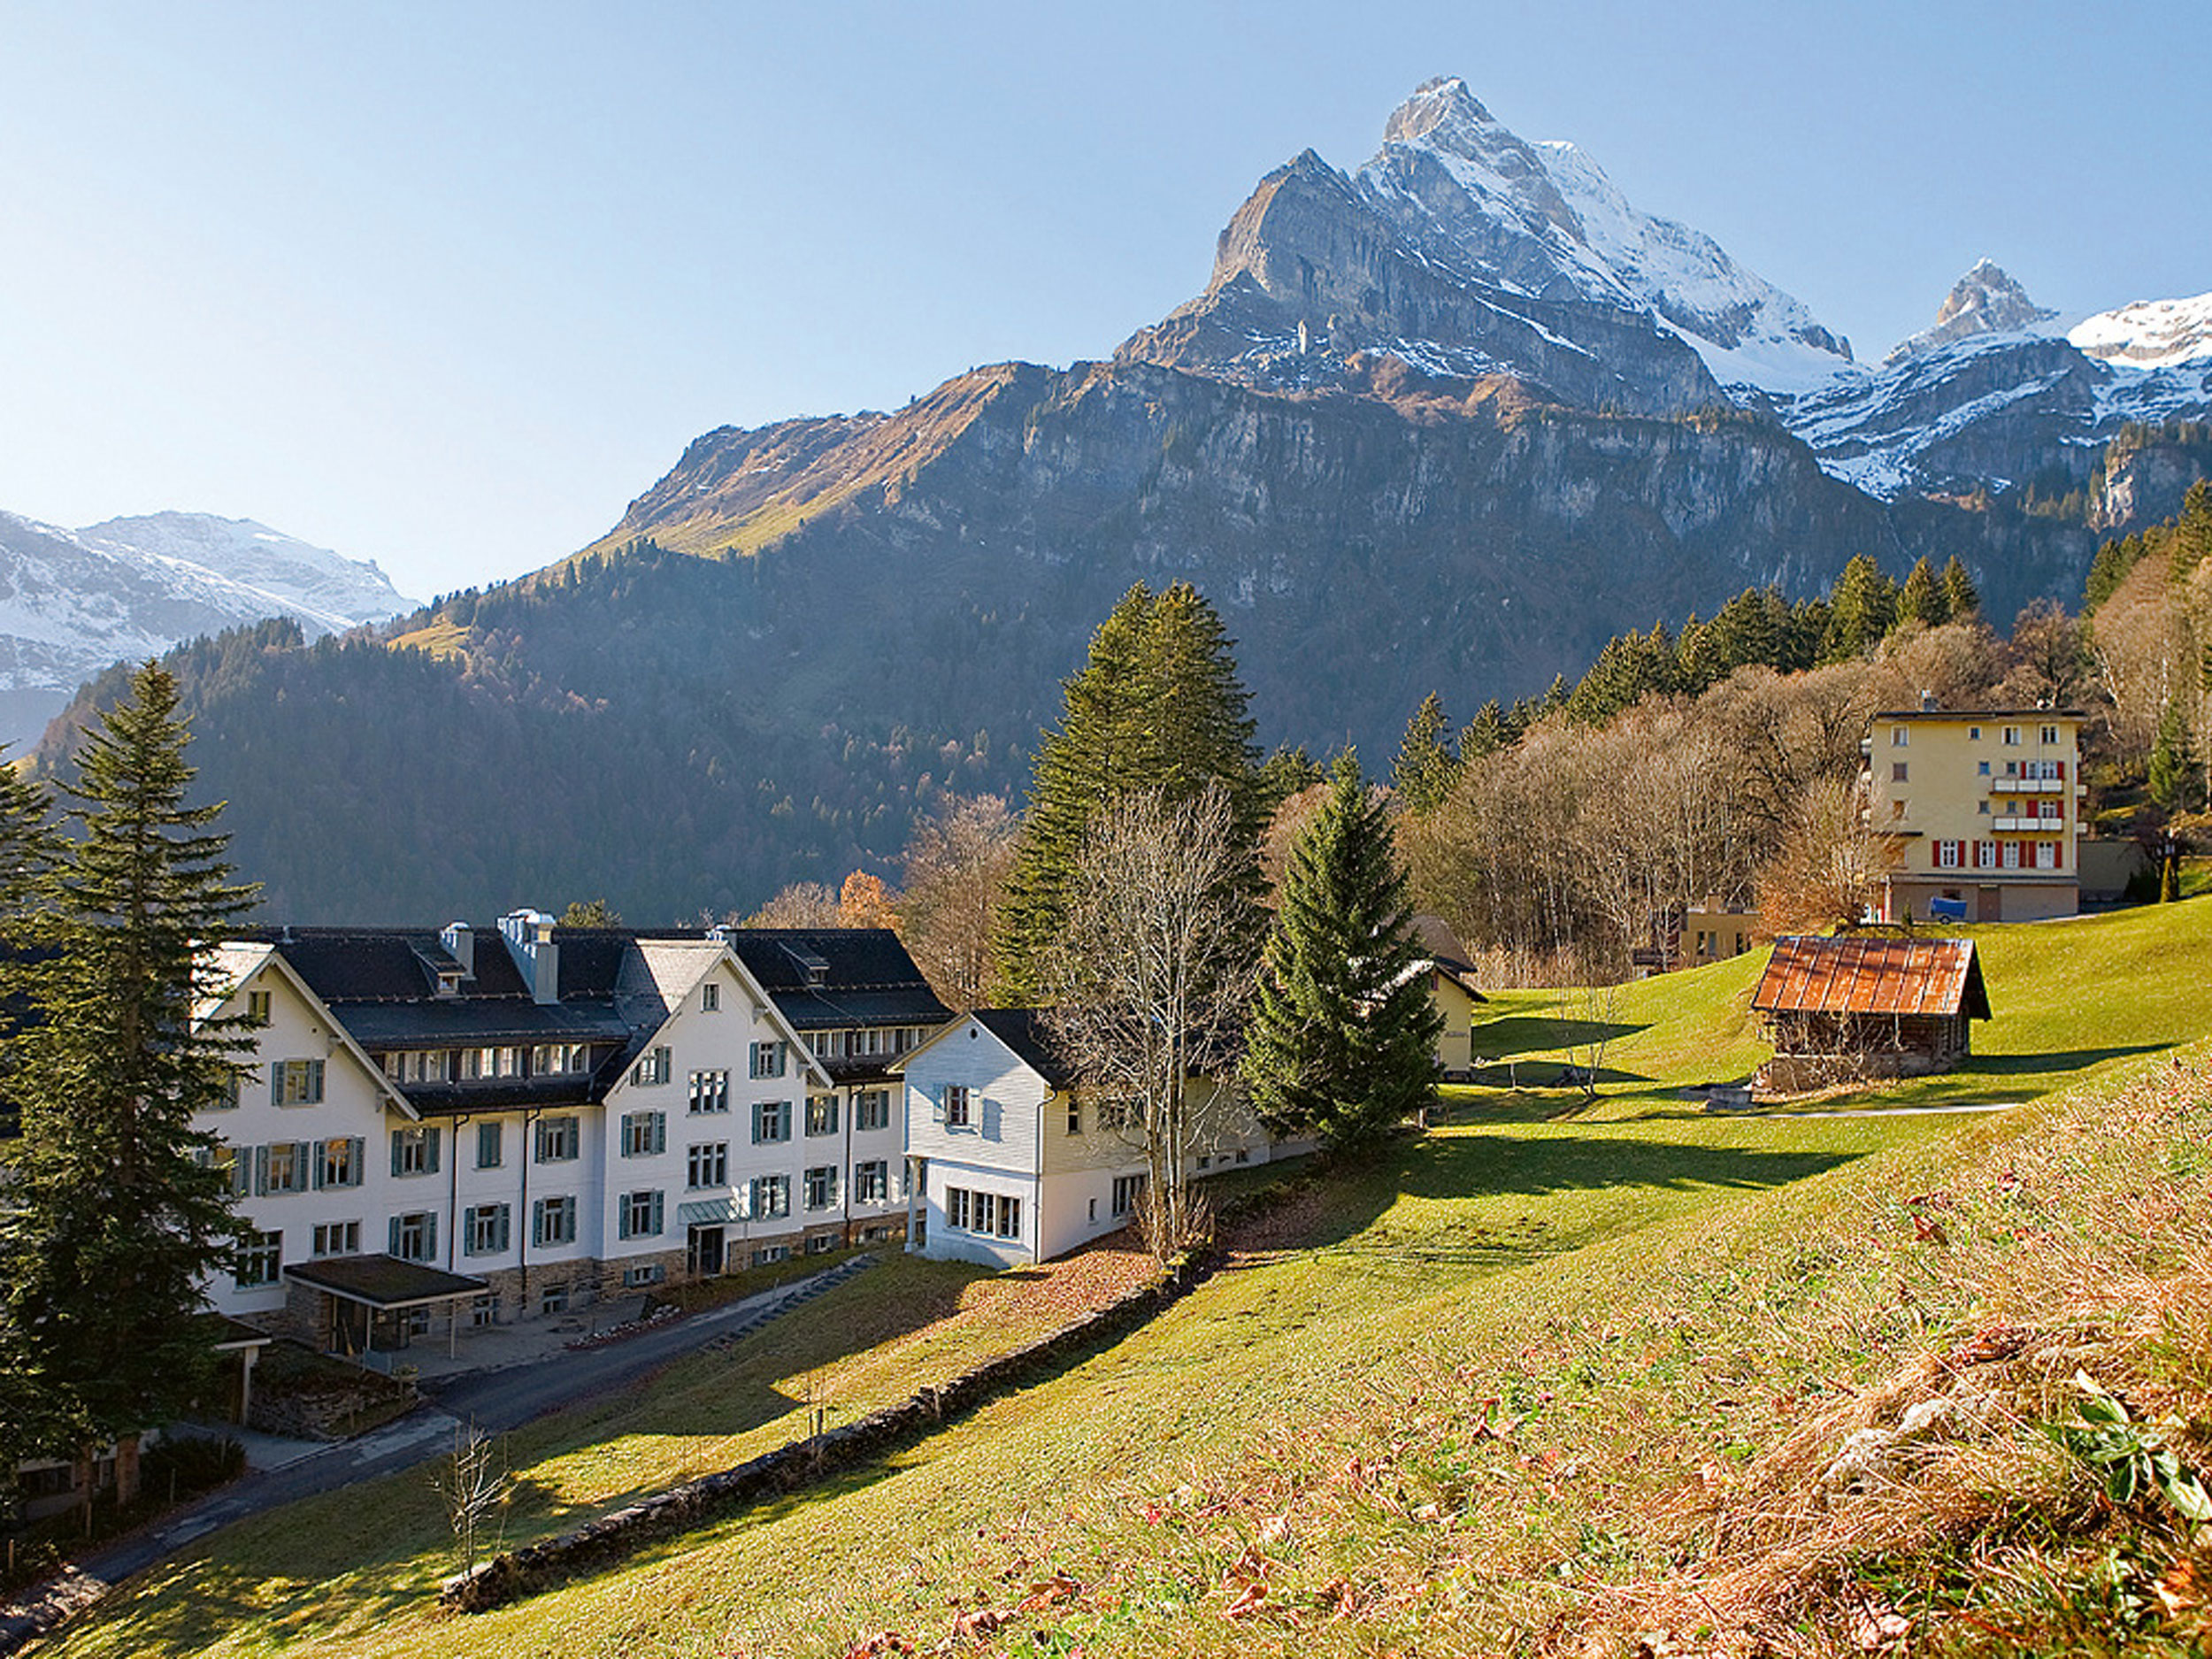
(1023, 1029)
(864, 977)
(360, 965)
(1444, 949)
(384, 1281)
(1852, 975)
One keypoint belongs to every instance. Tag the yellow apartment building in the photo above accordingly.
(1987, 804)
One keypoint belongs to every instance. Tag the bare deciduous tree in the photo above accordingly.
(956, 869)
(1831, 866)
(1150, 977)
(473, 1484)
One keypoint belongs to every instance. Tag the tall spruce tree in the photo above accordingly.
(1922, 598)
(116, 1209)
(1960, 594)
(34, 1417)
(1342, 1040)
(1426, 768)
(1157, 706)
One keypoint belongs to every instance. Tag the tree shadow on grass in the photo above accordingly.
(1515, 1034)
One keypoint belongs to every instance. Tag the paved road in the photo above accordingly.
(494, 1400)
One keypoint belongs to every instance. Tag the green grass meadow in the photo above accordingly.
(1301, 1457)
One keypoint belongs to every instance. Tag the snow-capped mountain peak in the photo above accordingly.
(2149, 333)
(1985, 301)
(1543, 219)
(327, 590)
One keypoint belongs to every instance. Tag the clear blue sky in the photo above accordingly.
(446, 286)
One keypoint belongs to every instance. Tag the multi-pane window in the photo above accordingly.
(419, 1065)
(491, 1145)
(709, 1092)
(337, 1237)
(1075, 1115)
(770, 1059)
(297, 1082)
(821, 1186)
(711, 997)
(341, 1162)
(638, 1216)
(642, 1273)
(553, 1221)
(485, 1229)
(1897, 771)
(644, 1134)
(995, 1214)
(415, 1150)
(821, 1114)
(768, 1254)
(871, 1181)
(282, 1167)
(1127, 1190)
(708, 1164)
(771, 1196)
(1900, 736)
(257, 1007)
(490, 1063)
(560, 1140)
(559, 1059)
(657, 1066)
(830, 1045)
(772, 1121)
(414, 1236)
(871, 1108)
(261, 1261)
(956, 1105)
(2049, 734)
(2012, 734)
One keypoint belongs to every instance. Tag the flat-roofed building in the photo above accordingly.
(1986, 808)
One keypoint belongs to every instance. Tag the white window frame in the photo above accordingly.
(707, 1164)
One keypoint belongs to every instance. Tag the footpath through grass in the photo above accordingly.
(1434, 1405)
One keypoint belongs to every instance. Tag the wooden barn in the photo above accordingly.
(1839, 1009)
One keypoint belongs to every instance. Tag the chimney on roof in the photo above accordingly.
(1927, 703)
(719, 934)
(460, 940)
(529, 936)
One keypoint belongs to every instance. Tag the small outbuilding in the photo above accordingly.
(1840, 1010)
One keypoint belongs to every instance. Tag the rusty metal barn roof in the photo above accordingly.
(1872, 976)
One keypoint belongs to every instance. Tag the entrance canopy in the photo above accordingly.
(384, 1282)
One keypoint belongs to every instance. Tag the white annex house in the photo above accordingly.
(1008, 1163)
(445, 1127)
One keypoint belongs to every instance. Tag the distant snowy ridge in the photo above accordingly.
(324, 589)
(2149, 333)
(71, 603)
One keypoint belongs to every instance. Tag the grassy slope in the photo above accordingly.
(1502, 1257)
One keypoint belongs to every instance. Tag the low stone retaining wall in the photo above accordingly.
(803, 1463)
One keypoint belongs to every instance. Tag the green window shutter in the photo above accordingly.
(396, 1135)
(430, 1237)
(656, 1215)
(622, 1218)
(430, 1155)
(261, 1171)
(660, 1133)
(315, 1079)
(392, 1247)
(276, 1082)
(315, 1156)
(504, 1214)
(359, 1163)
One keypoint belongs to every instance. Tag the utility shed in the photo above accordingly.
(1839, 1010)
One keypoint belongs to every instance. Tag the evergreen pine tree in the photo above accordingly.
(1490, 731)
(34, 1420)
(1863, 607)
(1426, 768)
(1157, 705)
(1342, 1039)
(1922, 598)
(117, 1210)
(1960, 594)
(2169, 758)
